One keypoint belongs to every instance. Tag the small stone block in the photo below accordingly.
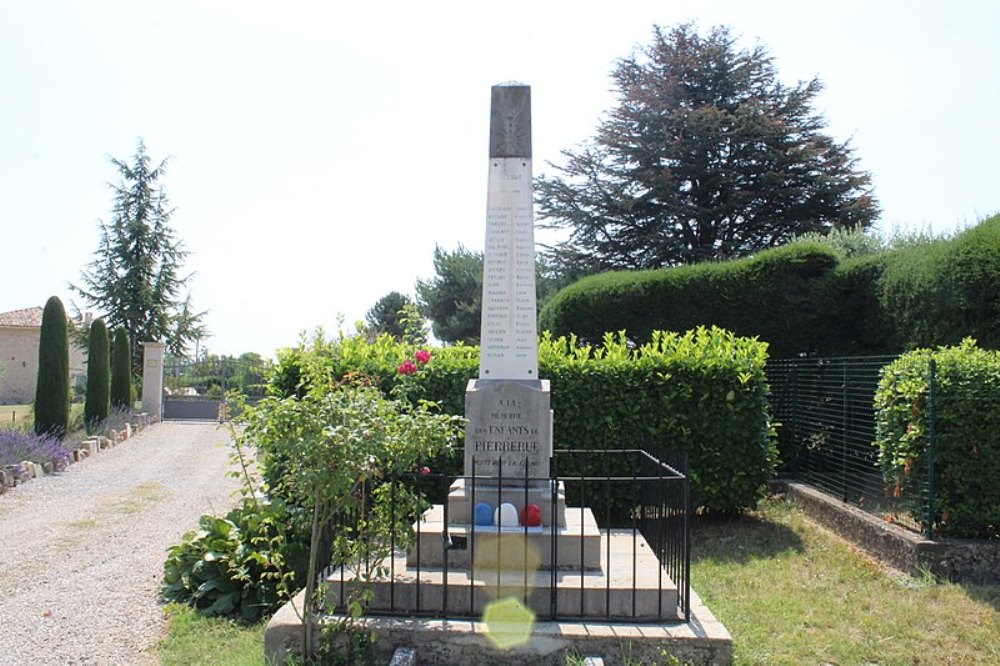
(27, 470)
(484, 514)
(47, 467)
(5, 480)
(128, 430)
(404, 657)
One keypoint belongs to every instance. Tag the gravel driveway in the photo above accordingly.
(81, 553)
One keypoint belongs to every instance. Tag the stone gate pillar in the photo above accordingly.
(152, 379)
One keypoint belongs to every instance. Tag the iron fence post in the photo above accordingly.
(931, 400)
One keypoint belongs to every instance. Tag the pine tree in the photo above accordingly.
(134, 278)
(98, 402)
(52, 388)
(121, 371)
(706, 156)
(385, 315)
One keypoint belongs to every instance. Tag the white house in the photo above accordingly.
(19, 334)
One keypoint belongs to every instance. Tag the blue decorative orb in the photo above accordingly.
(484, 514)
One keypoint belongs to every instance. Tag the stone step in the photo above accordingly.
(634, 587)
(578, 543)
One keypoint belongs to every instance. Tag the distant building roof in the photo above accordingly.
(32, 318)
(26, 318)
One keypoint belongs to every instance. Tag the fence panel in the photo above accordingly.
(825, 408)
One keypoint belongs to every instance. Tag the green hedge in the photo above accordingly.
(702, 393)
(942, 292)
(805, 298)
(966, 452)
(773, 295)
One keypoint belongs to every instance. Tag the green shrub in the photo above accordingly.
(98, 402)
(966, 453)
(246, 564)
(772, 295)
(702, 394)
(121, 371)
(52, 389)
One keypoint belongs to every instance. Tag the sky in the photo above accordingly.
(318, 151)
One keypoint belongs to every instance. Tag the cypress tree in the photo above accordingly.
(52, 388)
(98, 402)
(121, 371)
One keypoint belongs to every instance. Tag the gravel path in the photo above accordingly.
(81, 553)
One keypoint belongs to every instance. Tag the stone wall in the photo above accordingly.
(957, 560)
(19, 358)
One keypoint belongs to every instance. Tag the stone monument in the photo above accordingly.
(508, 435)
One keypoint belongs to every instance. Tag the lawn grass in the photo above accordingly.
(791, 592)
(11, 415)
(195, 640)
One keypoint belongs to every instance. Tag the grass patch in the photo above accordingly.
(195, 640)
(792, 593)
(11, 415)
(142, 496)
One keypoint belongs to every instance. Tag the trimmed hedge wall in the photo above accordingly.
(771, 295)
(966, 437)
(702, 393)
(805, 298)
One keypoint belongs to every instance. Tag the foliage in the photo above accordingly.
(17, 446)
(702, 393)
(940, 291)
(772, 295)
(243, 564)
(134, 278)
(98, 402)
(213, 375)
(965, 417)
(384, 316)
(452, 299)
(808, 296)
(52, 388)
(848, 242)
(706, 156)
(121, 371)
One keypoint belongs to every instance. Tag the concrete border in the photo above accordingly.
(957, 560)
(702, 641)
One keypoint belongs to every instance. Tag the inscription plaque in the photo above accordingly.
(509, 430)
(509, 330)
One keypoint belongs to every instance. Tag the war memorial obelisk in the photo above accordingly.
(509, 431)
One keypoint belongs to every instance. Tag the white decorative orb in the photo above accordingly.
(505, 515)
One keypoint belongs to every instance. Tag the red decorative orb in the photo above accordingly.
(531, 515)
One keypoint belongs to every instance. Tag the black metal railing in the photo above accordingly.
(589, 559)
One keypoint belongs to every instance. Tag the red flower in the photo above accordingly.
(422, 356)
(407, 368)
(425, 470)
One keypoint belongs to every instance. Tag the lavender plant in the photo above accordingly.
(16, 446)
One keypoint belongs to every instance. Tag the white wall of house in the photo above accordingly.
(19, 358)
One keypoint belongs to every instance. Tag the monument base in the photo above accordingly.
(703, 640)
(577, 543)
(631, 585)
(463, 496)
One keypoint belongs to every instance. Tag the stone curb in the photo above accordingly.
(956, 560)
(26, 470)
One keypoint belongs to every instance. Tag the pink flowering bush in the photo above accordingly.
(422, 356)
(407, 367)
